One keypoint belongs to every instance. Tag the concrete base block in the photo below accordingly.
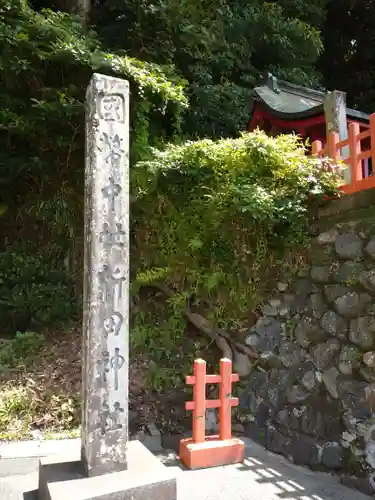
(146, 478)
(213, 452)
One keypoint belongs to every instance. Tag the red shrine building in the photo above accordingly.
(280, 107)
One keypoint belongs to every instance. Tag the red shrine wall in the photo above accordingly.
(312, 128)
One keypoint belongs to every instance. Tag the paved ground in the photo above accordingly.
(263, 476)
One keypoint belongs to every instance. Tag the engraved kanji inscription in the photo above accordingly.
(111, 191)
(113, 324)
(103, 366)
(113, 279)
(112, 145)
(112, 108)
(116, 238)
(115, 415)
(109, 420)
(117, 362)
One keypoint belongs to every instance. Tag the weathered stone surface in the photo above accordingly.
(106, 278)
(288, 419)
(308, 332)
(275, 303)
(282, 287)
(211, 421)
(269, 310)
(366, 428)
(334, 324)
(268, 334)
(363, 484)
(305, 451)
(321, 255)
(256, 433)
(327, 237)
(263, 414)
(370, 248)
(332, 292)
(316, 406)
(354, 396)
(369, 359)
(362, 331)
(323, 353)
(241, 363)
(347, 438)
(350, 359)
(290, 354)
(352, 304)
(277, 442)
(333, 456)
(288, 299)
(297, 394)
(276, 397)
(370, 453)
(367, 279)
(367, 373)
(279, 382)
(321, 419)
(305, 373)
(316, 306)
(329, 379)
(271, 359)
(304, 271)
(321, 274)
(349, 246)
(309, 381)
(252, 339)
(258, 382)
(348, 272)
(302, 287)
(284, 312)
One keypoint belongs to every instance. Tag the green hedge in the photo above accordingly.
(212, 218)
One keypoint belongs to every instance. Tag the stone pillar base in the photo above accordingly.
(62, 478)
(213, 452)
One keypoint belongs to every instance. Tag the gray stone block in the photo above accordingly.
(146, 478)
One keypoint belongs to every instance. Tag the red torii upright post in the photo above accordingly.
(211, 451)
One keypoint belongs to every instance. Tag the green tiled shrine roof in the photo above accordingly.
(289, 101)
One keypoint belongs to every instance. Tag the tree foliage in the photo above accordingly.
(212, 218)
(348, 60)
(46, 62)
(220, 47)
(209, 54)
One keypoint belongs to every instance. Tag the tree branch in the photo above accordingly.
(222, 338)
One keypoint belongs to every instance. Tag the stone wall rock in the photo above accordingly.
(312, 396)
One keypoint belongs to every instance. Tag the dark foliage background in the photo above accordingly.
(192, 65)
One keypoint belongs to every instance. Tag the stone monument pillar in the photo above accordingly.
(336, 121)
(106, 277)
(107, 466)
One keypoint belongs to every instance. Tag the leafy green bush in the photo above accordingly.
(23, 347)
(212, 218)
(47, 60)
(33, 292)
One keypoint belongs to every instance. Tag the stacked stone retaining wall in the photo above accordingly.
(312, 397)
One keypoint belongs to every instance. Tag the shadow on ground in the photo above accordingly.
(263, 475)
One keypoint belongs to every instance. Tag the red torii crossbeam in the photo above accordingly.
(211, 451)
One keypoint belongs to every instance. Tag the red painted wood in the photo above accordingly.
(199, 404)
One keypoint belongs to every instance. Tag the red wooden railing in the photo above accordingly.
(224, 403)
(359, 178)
(211, 451)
